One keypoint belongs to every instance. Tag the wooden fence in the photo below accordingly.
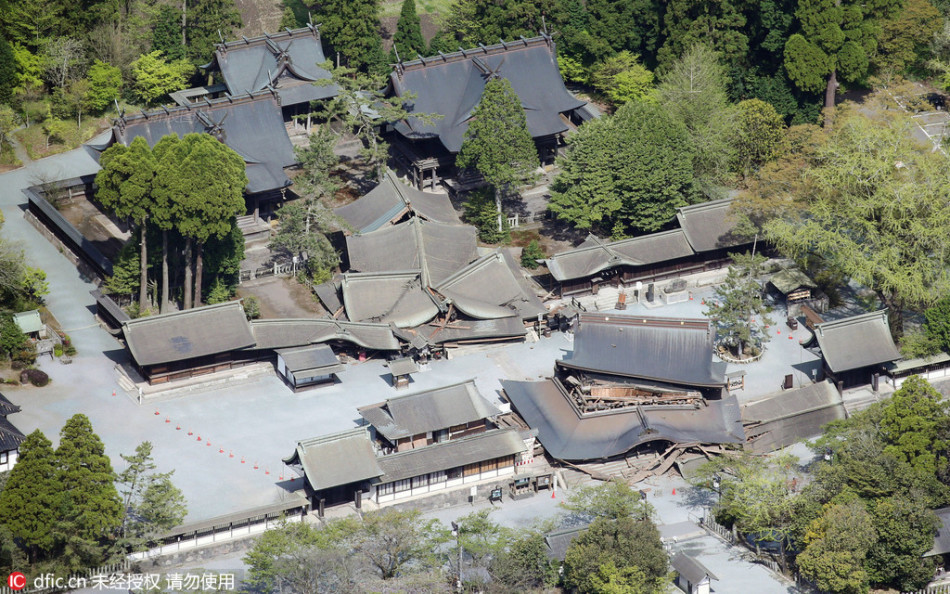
(49, 582)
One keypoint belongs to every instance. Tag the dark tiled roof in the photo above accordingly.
(791, 416)
(110, 306)
(790, 279)
(690, 568)
(709, 226)
(567, 434)
(427, 411)
(275, 334)
(10, 436)
(493, 444)
(398, 298)
(437, 249)
(403, 366)
(309, 361)
(7, 407)
(392, 199)
(671, 350)
(251, 125)
(560, 540)
(595, 255)
(188, 334)
(338, 459)
(452, 85)
(855, 342)
(288, 61)
(942, 538)
(492, 287)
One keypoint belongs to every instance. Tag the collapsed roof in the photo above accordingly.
(428, 411)
(390, 201)
(569, 434)
(856, 342)
(451, 85)
(788, 417)
(492, 287)
(289, 62)
(398, 298)
(251, 125)
(669, 350)
(276, 334)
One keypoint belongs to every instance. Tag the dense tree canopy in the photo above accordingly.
(408, 39)
(351, 27)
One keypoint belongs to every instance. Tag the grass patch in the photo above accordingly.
(33, 138)
(391, 9)
(521, 238)
(8, 158)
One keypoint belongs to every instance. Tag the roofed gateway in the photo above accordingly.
(451, 85)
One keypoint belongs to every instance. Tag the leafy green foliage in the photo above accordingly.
(152, 503)
(916, 426)
(408, 38)
(481, 211)
(12, 339)
(904, 38)
(739, 310)
(105, 83)
(391, 540)
(622, 79)
(153, 77)
(622, 542)
(630, 171)
(721, 25)
(484, 21)
(497, 142)
(525, 564)
(302, 228)
(166, 33)
(252, 307)
(875, 211)
(205, 19)
(125, 272)
(614, 499)
(531, 254)
(7, 71)
(938, 323)
(351, 27)
(760, 133)
(30, 497)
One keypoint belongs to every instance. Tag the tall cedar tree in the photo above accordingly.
(204, 21)
(8, 77)
(167, 157)
(166, 33)
(486, 21)
(719, 24)
(91, 507)
(876, 210)
(31, 495)
(125, 185)
(408, 39)
(351, 27)
(625, 173)
(205, 192)
(837, 37)
(497, 142)
(739, 311)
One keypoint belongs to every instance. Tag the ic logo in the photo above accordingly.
(16, 581)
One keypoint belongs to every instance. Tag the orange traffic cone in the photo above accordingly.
(674, 490)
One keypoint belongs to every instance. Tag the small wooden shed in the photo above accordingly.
(308, 367)
(401, 370)
(793, 284)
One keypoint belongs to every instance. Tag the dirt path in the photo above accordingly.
(282, 298)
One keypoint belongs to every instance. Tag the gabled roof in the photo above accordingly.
(251, 125)
(461, 331)
(596, 255)
(790, 279)
(451, 85)
(390, 201)
(436, 249)
(311, 360)
(10, 436)
(855, 342)
(275, 334)
(709, 226)
(788, 417)
(28, 321)
(671, 350)
(431, 410)
(568, 434)
(690, 568)
(450, 454)
(560, 540)
(288, 61)
(188, 334)
(492, 287)
(398, 298)
(7, 407)
(339, 459)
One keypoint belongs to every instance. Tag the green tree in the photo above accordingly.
(759, 134)
(408, 39)
(613, 499)
(484, 21)
(351, 27)
(693, 90)
(391, 540)
(33, 22)
(105, 83)
(837, 545)
(153, 77)
(302, 228)
(905, 37)
(30, 497)
(531, 254)
(91, 509)
(481, 211)
(625, 173)
(8, 123)
(687, 23)
(613, 26)
(624, 542)
(126, 272)
(739, 311)
(875, 210)
(622, 79)
(938, 323)
(837, 38)
(905, 530)
(125, 185)
(12, 339)
(166, 33)
(916, 426)
(481, 538)
(8, 79)
(609, 579)
(204, 21)
(497, 143)
(151, 501)
(525, 565)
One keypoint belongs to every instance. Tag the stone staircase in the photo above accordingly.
(253, 228)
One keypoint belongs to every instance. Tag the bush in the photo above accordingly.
(252, 307)
(531, 254)
(36, 377)
(938, 323)
(480, 211)
(69, 350)
(57, 350)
